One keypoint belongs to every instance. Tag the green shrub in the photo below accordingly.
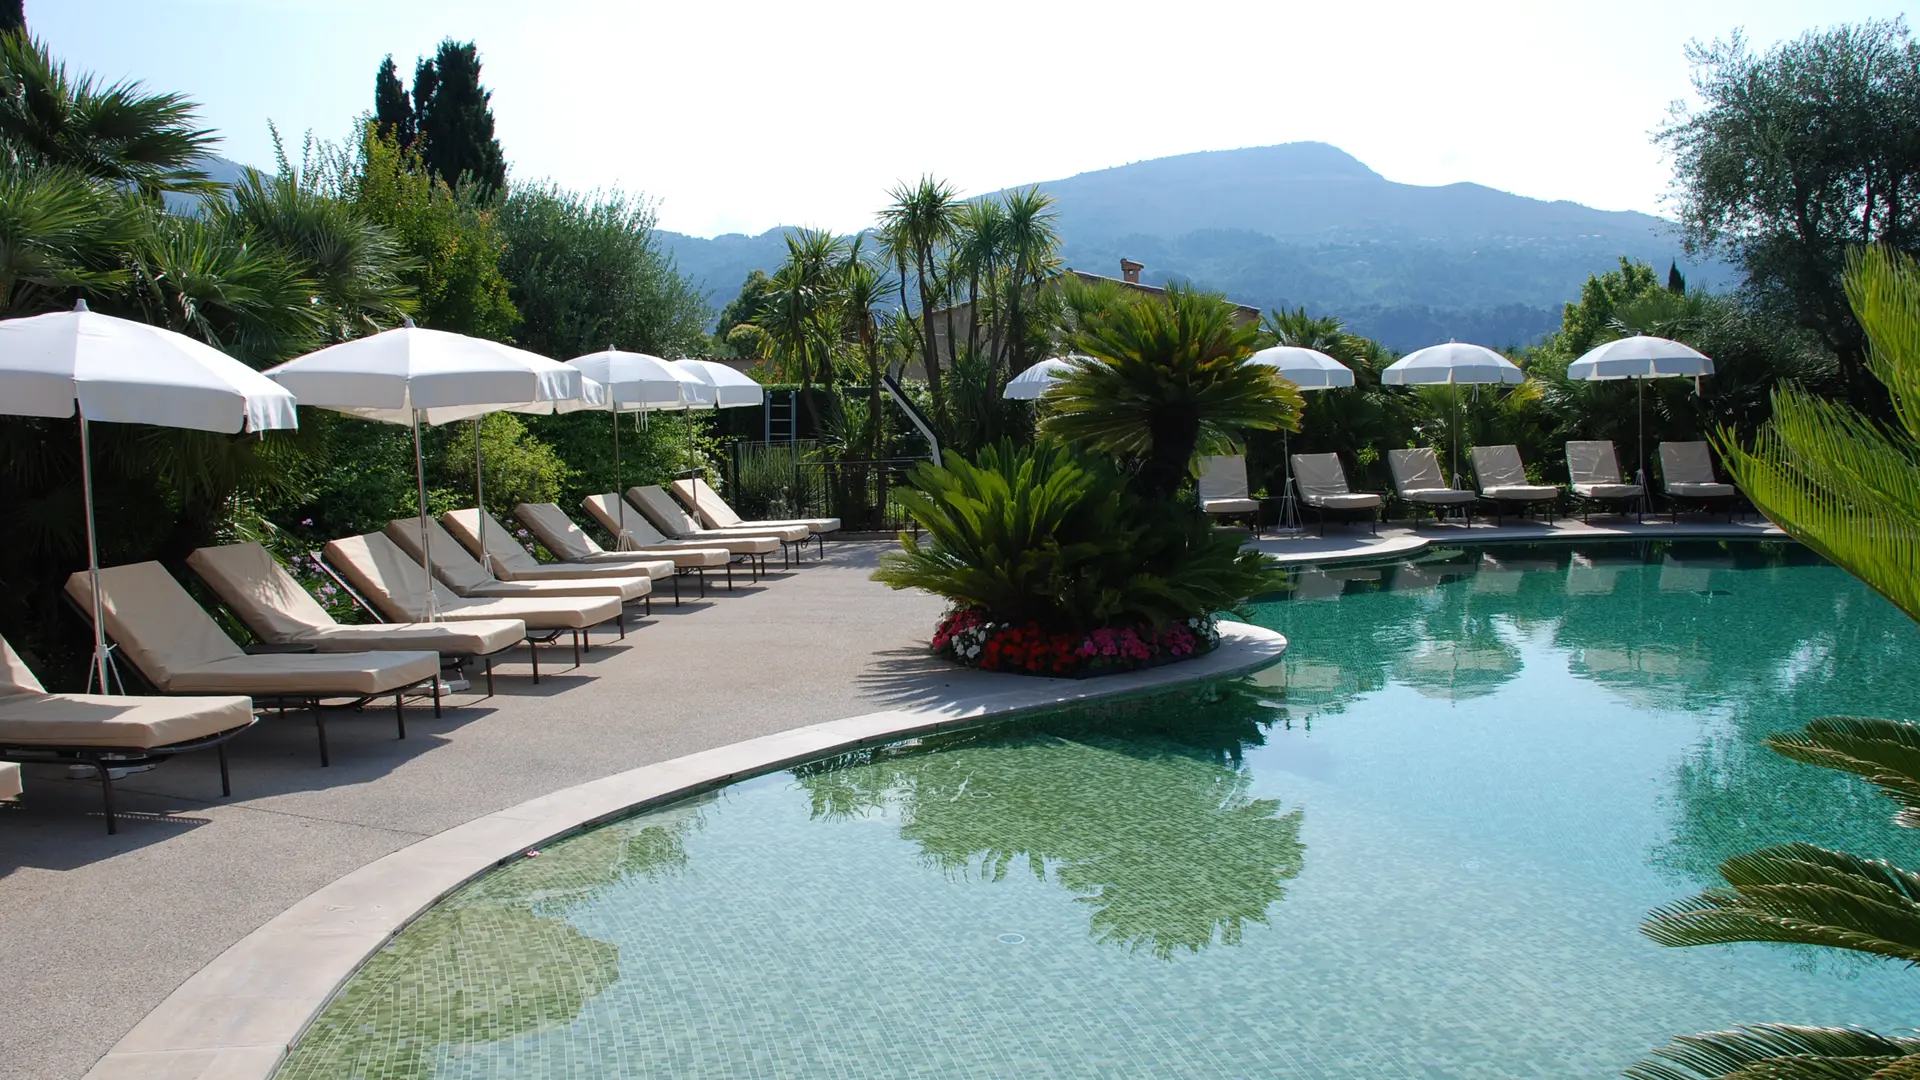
(1054, 536)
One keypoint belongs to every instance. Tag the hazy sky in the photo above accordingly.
(738, 116)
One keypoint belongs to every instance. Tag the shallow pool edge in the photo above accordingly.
(237, 1017)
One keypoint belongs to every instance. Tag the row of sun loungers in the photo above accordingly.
(210, 688)
(1593, 469)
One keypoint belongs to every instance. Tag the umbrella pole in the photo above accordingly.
(480, 500)
(99, 667)
(426, 548)
(619, 493)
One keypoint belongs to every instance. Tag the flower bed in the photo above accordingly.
(972, 637)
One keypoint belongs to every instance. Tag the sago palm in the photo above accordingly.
(1850, 489)
(1168, 379)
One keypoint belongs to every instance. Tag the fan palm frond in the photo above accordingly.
(1801, 894)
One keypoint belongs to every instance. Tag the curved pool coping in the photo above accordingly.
(237, 1018)
(1398, 540)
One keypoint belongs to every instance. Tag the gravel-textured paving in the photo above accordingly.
(98, 929)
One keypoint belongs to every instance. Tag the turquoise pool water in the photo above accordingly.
(1420, 847)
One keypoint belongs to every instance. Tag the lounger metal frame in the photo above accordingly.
(1638, 503)
(1500, 505)
(105, 758)
(1371, 514)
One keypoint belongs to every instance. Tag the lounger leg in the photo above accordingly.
(576, 648)
(488, 661)
(106, 793)
(533, 652)
(400, 713)
(729, 575)
(320, 728)
(226, 783)
(676, 588)
(700, 573)
(436, 699)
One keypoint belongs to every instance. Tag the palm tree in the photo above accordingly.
(60, 233)
(1168, 379)
(1032, 252)
(117, 133)
(803, 296)
(863, 290)
(923, 217)
(1848, 488)
(982, 240)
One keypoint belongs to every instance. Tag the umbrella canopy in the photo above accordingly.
(730, 388)
(1455, 362)
(1036, 380)
(413, 375)
(1640, 357)
(129, 372)
(1308, 369)
(638, 382)
(103, 368)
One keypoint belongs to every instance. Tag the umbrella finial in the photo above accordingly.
(80, 305)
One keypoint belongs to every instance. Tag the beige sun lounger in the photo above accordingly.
(1502, 479)
(1418, 481)
(249, 581)
(1686, 474)
(569, 542)
(1594, 473)
(461, 572)
(511, 562)
(636, 530)
(398, 587)
(714, 513)
(1322, 484)
(180, 650)
(106, 731)
(1223, 489)
(674, 522)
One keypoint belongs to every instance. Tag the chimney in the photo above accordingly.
(1130, 270)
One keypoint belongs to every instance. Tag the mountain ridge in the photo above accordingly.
(1307, 224)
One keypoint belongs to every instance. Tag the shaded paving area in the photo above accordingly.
(100, 928)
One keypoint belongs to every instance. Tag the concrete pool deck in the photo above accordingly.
(1347, 543)
(166, 943)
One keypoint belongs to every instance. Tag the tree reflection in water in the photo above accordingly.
(1138, 808)
(495, 961)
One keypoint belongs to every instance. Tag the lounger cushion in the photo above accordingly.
(1522, 492)
(475, 637)
(327, 674)
(716, 514)
(397, 585)
(1439, 496)
(1230, 506)
(57, 720)
(461, 573)
(1608, 491)
(1703, 491)
(512, 562)
(1357, 501)
(252, 582)
(641, 535)
(667, 516)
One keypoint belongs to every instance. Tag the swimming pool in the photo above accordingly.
(1420, 847)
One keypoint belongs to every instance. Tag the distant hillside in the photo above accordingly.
(1306, 224)
(219, 169)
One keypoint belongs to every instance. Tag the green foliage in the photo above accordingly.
(1796, 154)
(392, 108)
(453, 246)
(587, 272)
(117, 133)
(453, 118)
(1168, 381)
(1053, 534)
(1835, 480)
(744, 308)
(519, 467)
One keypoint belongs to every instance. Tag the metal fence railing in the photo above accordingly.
(770, 481)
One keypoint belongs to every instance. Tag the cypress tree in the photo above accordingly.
(392, 111)
(1675, 282)
(453, 115)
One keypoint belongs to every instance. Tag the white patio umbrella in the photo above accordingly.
(411, 375)
(638, 383)
(1640, 357)
(117, 370)
(1455, 364)
(731, 389)
(1308, 369)
(1038, 379)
